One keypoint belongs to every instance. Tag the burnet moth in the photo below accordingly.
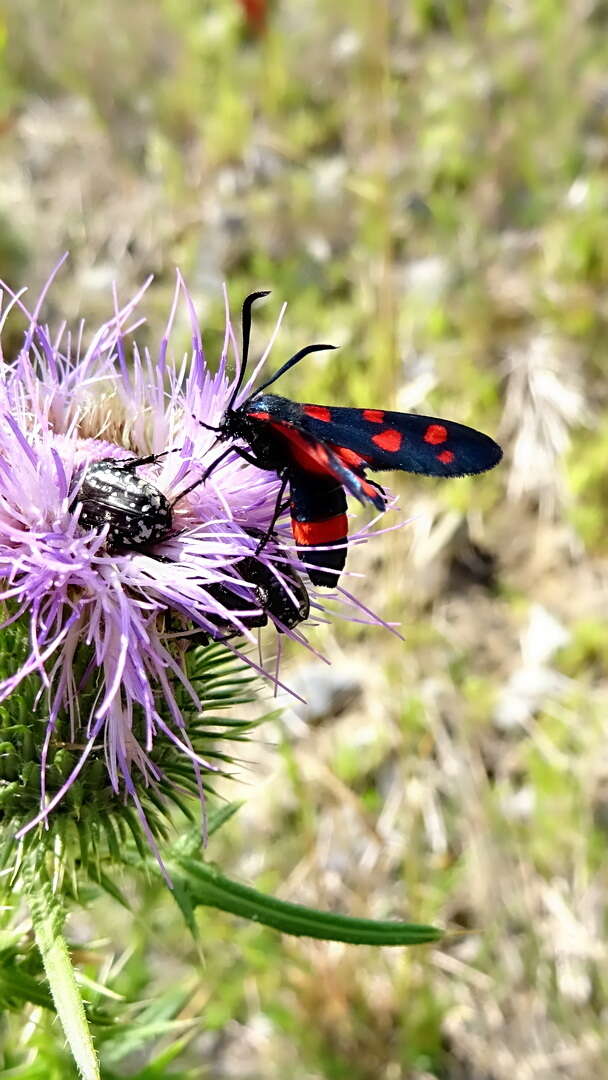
(323, 451)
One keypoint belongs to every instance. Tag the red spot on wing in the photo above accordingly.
(446, 457)
(307, 533)
(375, 416)
(390, 439)
(320, 412)
(350, 457)
(435, 434)
(259, 415)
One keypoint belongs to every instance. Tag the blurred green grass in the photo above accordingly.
(426, 185)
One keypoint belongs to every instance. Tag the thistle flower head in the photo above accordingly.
(107, 621)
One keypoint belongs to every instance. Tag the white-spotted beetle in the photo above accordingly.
(112, 494)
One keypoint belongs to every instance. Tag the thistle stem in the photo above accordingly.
(47, 919)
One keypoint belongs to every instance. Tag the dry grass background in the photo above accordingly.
(427, 185)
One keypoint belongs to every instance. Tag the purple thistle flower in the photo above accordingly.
(62, 408)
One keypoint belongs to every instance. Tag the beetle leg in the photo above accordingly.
(151, 459)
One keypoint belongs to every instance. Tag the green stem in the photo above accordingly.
(47, 920)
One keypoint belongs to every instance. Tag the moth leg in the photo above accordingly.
(203, 479)
(246, 456)
(278, 509)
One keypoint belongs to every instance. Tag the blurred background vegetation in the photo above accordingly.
(426, 183)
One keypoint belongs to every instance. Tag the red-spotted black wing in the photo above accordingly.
(379, 439)
(328, 449)
(318, 518)
(312, 454)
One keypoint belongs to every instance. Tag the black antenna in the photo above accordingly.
(293, 360)
(248, 303)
